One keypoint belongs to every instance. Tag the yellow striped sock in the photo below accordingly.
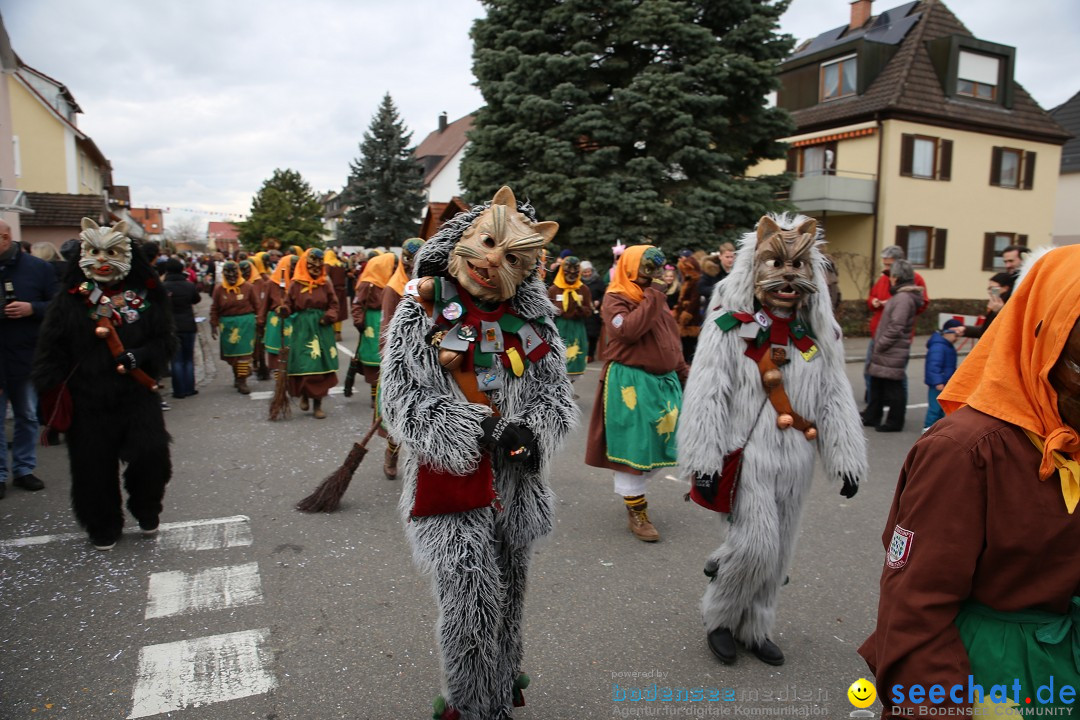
(635, 502)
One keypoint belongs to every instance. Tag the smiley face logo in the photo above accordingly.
(862, 693)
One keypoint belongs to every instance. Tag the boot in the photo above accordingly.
(768, 652)
(304, 403)
(638, 521)
(722, 644)
(389, 467)
(318, 414)
(242, 386)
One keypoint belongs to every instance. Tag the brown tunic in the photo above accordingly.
(575, 310)
(985, 528)
(367, 297)
(645, 337)
(321, 297)
(226, 304)
(338, 277)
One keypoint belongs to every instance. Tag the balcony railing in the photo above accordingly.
(835, 191)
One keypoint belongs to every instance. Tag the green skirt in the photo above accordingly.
(1029, 645)
(369, 340)
(641, 412)
(577, 344)
(312, 348)
(237, 336)
(277, 328)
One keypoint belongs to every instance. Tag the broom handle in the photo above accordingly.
(371, 431)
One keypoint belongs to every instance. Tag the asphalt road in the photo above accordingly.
(244, 607)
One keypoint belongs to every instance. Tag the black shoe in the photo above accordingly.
(149, 528)
(29, 482)
(722, 644)
(889, 428)
(3, 489)
(867, 422)
(104, 541)
(767, 652)
(193, 392)
(165, 405)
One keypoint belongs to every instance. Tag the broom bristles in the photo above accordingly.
(280, 408)
(327, 497)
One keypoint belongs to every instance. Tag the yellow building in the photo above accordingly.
(912, 132)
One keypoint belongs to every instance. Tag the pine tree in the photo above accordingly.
(386, 184)
(629, 119)
(285, 208)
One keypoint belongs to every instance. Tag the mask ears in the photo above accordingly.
(89, 224)
(766, 228)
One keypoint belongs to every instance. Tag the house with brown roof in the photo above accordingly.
(440, 155)
(152, 222)
(910, 131)
(1067, 216)
(223, 237)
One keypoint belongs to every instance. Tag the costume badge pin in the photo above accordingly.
(412, 288)
(452, 311)
(491, 340)
(488, 379)
(617, 321)
(453, 339)
(900, 547)
(467, 333)
(762, 319)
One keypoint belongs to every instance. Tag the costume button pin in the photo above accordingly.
(467, 332)
(452, 311)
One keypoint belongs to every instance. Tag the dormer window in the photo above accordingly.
(838, 78)
(977, 75)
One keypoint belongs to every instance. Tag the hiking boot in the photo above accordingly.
(638, 521)
(318, 414)
(304, 403)
(768, 652)
(242, 386)
(722, 644)
(29, 482)
(389, 467)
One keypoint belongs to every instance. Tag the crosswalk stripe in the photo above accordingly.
(267, 394)
(192, 673)
(208, 534)
(180, 593)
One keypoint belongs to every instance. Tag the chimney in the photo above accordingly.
(860, 13)
(442, 123)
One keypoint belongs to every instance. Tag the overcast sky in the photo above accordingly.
(196, 102)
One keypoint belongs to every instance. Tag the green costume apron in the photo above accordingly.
(237, 335)
(312, 348)
(276, 329)
(641, 412)
(577, 344)
(1028, 645)
(369, 339)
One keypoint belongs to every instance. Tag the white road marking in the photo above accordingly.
(345, 350)
(180, 593)
(208, 534)
(917, 405)
(192, 673)
(267, 394)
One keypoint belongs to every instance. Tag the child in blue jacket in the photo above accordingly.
(940, 366)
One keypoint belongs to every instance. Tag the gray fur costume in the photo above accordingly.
(478, 559)
(722, 401)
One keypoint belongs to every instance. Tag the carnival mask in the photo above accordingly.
(315, 263)
(409, 248)
(782, 271)
(651, 267)
(105, 253)
(571, 269)
(1065, 379)
(230, 271)
(245, 270)
(499, 250)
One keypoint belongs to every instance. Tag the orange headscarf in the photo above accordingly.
(627, 271)
(280, 276)
(330, 258)
(1007, 374)
(378, 270)
(258, 261)
(301, 275)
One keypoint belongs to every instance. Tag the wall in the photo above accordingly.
(42, 142)
(1067, 211)
(447, 183)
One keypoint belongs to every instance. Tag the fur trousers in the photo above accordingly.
(479, 584)
(754, 558)
(97, 443)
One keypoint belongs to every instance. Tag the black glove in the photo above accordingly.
(851, 486)
(126, 360)
(516, 441)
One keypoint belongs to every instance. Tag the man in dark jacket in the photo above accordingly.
(27, 284)
(597, 287)
(184, 296)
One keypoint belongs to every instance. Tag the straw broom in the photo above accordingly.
(327, 497)
(280, 407)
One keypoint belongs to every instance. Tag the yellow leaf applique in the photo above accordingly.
(333, 351)
(629, 397)
(369, 332)
(288, 331)
(667, 422)
(274, 320)
(573, 351)
(315, 348)
(234, 336)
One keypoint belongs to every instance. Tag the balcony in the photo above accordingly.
(845, 192)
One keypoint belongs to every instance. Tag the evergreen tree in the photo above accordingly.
(629, 119)
(386, 184)
(284, 208)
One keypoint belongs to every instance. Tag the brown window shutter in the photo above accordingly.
(1021, 240)
(793, 160)
(901, 237)
(945, 162)
(1029, 170)
(907, 154)
(995, 167)
(988, 250)
(941, 235)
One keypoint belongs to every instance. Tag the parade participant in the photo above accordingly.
(312, 307)
(475, 390)
(183, 297)
(392, 293)
(233, 318)
(277, 324)
(638, 400)
(260, 285)
(106, 335)
(979, 585)
(573, 303)
(747, 447)
(338, 275)
(687, 311)
(367, 314)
